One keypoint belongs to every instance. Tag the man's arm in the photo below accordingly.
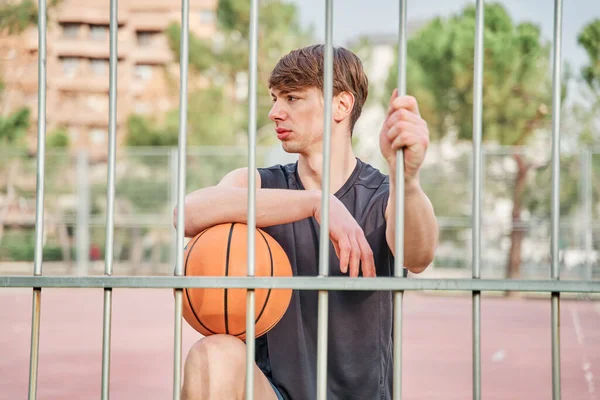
(420, 225)
(404, 129)
(228, 202)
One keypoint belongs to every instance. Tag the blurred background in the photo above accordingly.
(517, 118)
(516, 171)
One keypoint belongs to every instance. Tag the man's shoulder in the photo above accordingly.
(277, 176)
(284, 168)
(372, 177)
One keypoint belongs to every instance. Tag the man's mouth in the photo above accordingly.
(282, 133)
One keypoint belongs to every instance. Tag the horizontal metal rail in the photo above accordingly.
(299, 283)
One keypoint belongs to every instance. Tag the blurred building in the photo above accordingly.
(77, 97)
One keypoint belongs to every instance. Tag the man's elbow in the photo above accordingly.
(420, 265)
(176, 220)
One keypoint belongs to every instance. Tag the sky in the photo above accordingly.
(357, 17)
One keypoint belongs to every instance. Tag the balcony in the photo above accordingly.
(89, 15)
(154, 5)
(67, 47)
(90, 84)
(149, 21)
(149, 55)
(84, 117)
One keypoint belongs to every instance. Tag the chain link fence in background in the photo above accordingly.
(145, 195)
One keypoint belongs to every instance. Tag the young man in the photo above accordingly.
(288, 207)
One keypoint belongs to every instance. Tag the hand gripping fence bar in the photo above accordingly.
(323, 283)
(399, 214)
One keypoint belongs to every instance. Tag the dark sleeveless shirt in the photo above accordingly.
(360, 322)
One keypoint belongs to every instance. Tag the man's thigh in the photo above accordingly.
(263, 387)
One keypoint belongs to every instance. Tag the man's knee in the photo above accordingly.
(218, 349)
(215, 368)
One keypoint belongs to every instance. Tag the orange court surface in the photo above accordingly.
(515, 346)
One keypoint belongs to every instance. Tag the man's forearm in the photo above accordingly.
(420, 225)
(218, 204)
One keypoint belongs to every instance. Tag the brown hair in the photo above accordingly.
(303, 68)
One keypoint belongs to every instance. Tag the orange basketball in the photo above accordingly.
(222, 251)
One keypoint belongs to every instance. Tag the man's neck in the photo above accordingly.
(343, 162)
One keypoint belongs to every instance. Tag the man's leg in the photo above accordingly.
(215, 369)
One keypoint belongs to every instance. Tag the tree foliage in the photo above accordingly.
(14, 127)
(589, 39)
(17, 17)
(516, 76)
(585, 112)
(517, 95)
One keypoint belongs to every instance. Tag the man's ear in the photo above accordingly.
(343, 104)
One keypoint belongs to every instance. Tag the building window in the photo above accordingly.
(70, 65)
(145, 38)
(143, 71)
(98, 32)
(99, 66)
(70, 30)
(206, 16)
(98, 135)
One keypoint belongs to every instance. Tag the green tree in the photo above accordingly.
(18, 16)
(583, 120)
(58, 139)
(586, 111)
(207, 122)
(14, 127)
(516, 88)
(589, 39)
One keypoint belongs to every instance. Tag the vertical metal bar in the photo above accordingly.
(173, 197)
(556, 105)
(110, 198)
(323, 318)
(251, 294)
(83, 213)
(39, 200)
(477, 159)
(588, 217)
(181, 182)
(399, 205)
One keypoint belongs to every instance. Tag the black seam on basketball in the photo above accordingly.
(272, 272)
(268, 292)
(227, 274)
(185, 290)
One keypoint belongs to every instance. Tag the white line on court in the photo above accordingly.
(586, 364)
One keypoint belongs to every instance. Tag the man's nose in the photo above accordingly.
(277, 113)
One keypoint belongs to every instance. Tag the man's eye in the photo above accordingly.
(292, 98)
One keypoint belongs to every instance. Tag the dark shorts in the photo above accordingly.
(279, 396)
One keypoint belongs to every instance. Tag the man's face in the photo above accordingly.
(298, 116)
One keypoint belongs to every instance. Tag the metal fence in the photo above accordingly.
(398, 284)
(145, 195)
